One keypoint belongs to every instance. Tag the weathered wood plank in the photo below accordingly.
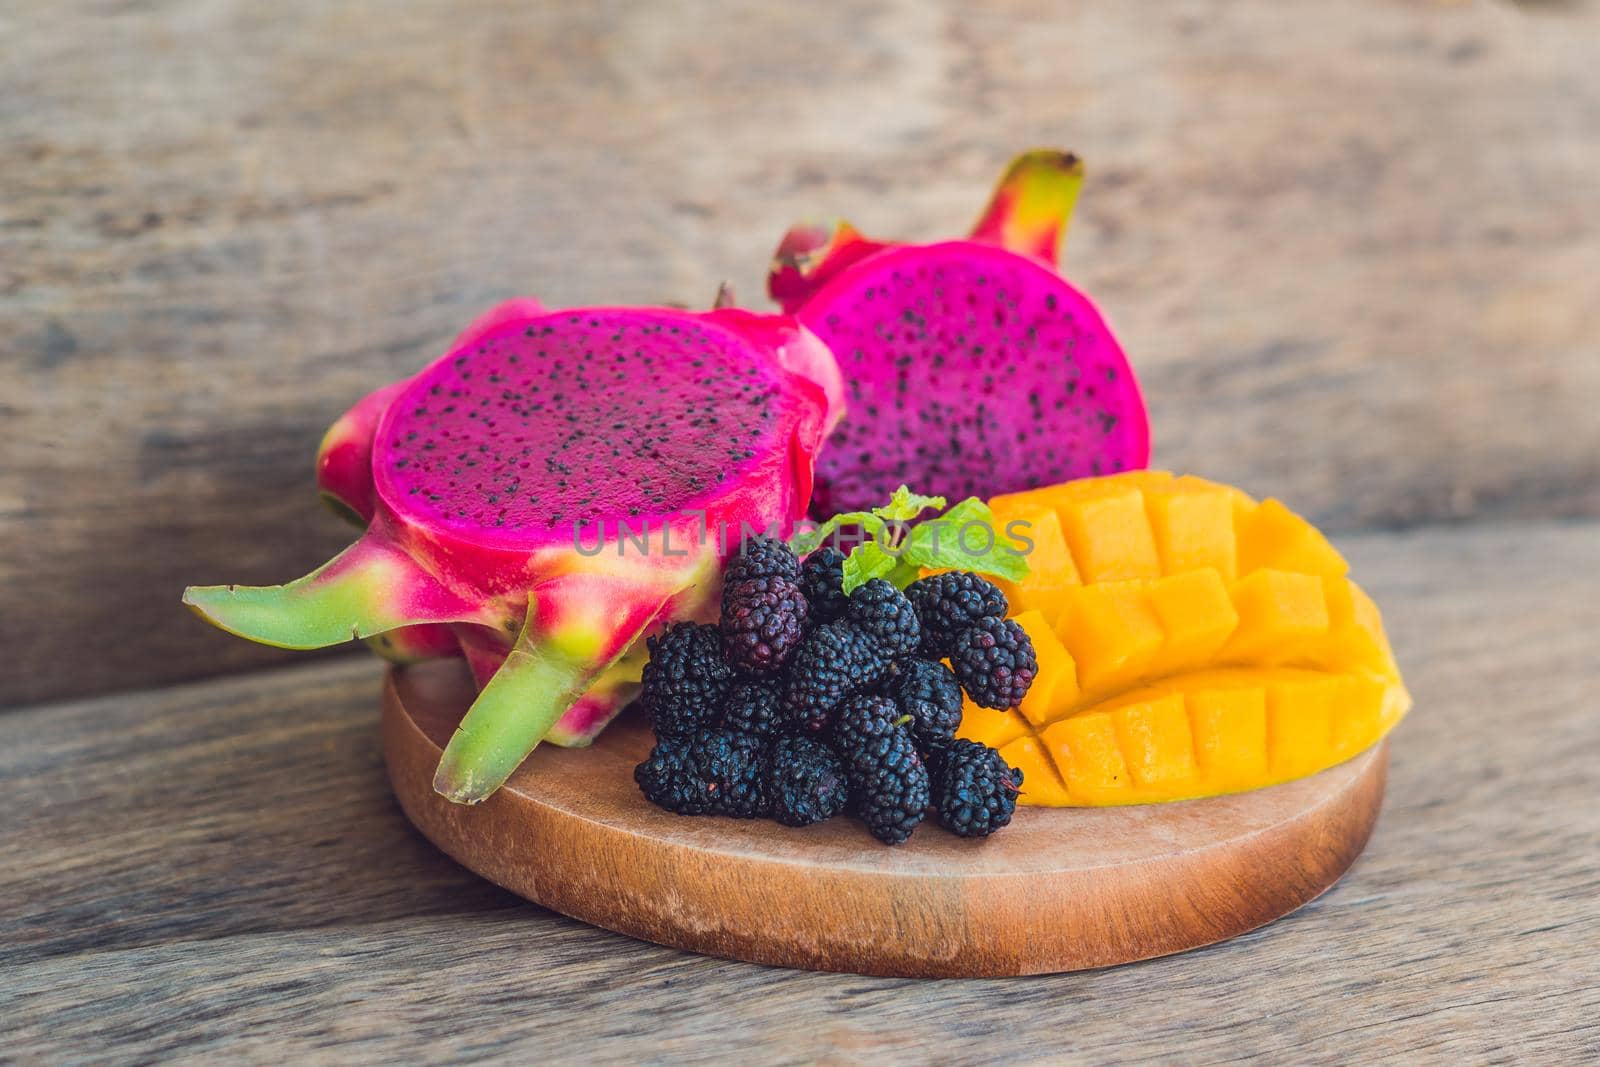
(218, 870)
(1350, 247)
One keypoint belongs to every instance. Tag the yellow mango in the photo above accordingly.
(1355, 637)
(1155, 740)
(1040, 783)
(1300, 725)
(1203, 644)
(990, 727)
(1193, 528)
(1272, 536)
(1230, 733)
(1196, 616)
(1280, 612)
(1110, 536)
(1357, 714)
(1085, 748)
(1111, 631)
(1050, 565)
(1055, 687)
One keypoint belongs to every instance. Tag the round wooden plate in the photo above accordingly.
(1059, 890)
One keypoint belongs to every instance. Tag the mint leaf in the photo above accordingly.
(966, 538)
(808, 541)
(905, 505)
(867, 562)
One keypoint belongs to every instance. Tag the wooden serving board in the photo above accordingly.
(1058, 890)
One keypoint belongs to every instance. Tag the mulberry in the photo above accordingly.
(760, 557)
(995, 662)
(822, 581)
(686, 680)
(763, 622)
(974, 790)
(886, 615)
(712, 772)
(835, 660)
(927, 691)
(805, 782)
(948, 603)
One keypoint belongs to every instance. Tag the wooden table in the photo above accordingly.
(219, 869)
(1350, 247)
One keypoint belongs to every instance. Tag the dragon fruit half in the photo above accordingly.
(972, 367)
(555, 486)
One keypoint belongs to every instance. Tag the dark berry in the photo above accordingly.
(760, 557)
(752, 708)
(994, 661)
(949, 602)
(711, 772)
(927, 691)
(974, 790)
(835, 660)
(889, 788)
(686, 679)
(763, 622)
(861, 718)
(668, 778)
(822, 580)
(805, 782)
(884, 613)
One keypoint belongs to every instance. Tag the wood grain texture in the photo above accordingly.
(218, 870)
(1058, 890)
(1350, 247)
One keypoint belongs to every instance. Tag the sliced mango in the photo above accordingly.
(1193, 528)
(1196, 616)
(1272, 536)
(1050, 565)
(1202, 643)
(987, 726)
(1040, 782)
(1112, 632)
(1110, 536)
(1280, 612)
(1056, 684)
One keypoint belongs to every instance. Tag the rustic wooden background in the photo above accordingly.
(1351, 248)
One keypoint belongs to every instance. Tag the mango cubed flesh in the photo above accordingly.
(1040, 783)
(1155, 740)
(1085, 748)
(1196, 616)
(1050, 566)
(1280, 613)
(988, 726)
(1273, 537)
(1230, 734)
(1193, 529)
(1300, 724)
(1055, 687)
(1110, 536)
(1358, 713)
(1111, 632)
(1355, 637)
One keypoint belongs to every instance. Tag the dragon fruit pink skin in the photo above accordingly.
(972, 366)
(543, 490)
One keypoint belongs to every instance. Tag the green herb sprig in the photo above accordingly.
(899, 544)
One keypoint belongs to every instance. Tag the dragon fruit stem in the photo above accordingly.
(1032, 204)
(367, 589)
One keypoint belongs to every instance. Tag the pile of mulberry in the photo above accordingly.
(801, 703)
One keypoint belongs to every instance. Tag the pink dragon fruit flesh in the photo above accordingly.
(972, 367)
(554, 487)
